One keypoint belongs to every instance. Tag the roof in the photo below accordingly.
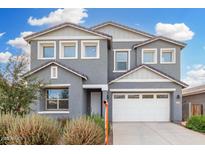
(32, 71)
(193, 90)
(34, 35)
(123, 27)
(182, 44)
(153, 70)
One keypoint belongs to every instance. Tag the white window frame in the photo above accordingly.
(148, 50)
(54, 67)
(61, 49)
(128, 63)
(57, 109)
(173, 50)
(83, 44)
(42, 44)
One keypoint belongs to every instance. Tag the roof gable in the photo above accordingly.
(144, 73)
(55, 63)
(118, 31)
(69, 30)
(181, 44)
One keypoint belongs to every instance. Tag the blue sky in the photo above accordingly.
(15, 21)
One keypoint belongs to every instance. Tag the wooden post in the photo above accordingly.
(106, 122)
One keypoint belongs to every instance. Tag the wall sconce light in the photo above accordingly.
(178, 96)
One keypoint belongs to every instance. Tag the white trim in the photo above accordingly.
(40, 45)
(62, 26)
(128, 63)
(128, 40)
(61, 49)
(53, 112)
(128, 29)
(52, 73)
(143, 90)
(143, 80)
(57, 65)
(56, 85)
(69, 38)
(149, 50)
(83, 42)
(104, 87)
(152, 40)
(115, 80)
(173, 50)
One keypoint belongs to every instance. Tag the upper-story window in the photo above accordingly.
(46, 50)
(90, 50)
(121, 60)
(168, 55)
(68, 50)
(149, 56)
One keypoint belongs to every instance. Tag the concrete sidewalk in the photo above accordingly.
(156, 133)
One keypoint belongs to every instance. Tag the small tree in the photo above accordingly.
(17, 92)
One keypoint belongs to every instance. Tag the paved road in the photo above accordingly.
(156, 133)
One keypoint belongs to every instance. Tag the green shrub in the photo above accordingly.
(34, 130)
(6, 120)
(83, 131)
(196, 123)
(100, 121)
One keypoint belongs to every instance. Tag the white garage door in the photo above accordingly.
(141, 107)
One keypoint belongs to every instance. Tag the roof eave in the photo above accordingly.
(181, 44)
(34, 35)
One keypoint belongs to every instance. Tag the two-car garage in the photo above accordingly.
(140, 107)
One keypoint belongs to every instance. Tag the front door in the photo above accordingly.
(95, 103)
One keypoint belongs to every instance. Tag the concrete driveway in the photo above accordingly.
(147, 133)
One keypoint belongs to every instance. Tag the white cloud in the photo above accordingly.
(59, 16)
(20, 43)
(178, 31)
(1, 34)
(4, 56)
(195, 75)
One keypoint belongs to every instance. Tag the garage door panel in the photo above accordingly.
(144, 108)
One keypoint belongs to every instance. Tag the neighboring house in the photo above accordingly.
(138, 73)
(193, 101)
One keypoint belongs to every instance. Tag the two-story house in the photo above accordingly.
(138, 73)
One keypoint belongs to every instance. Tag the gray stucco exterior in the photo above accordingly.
(85, 66)
(136, 58)
(100, 73)
(77, 100)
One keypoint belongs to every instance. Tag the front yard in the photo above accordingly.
(41, 130)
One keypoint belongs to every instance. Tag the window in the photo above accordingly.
(119, 96)
(147, 96)
(162, 96)
(133, 96)
(57, 99)
(168, 55)
(149, 56)
(46, 50)
(54, 72)
(121, 60)
(90, 49)
(68, 50)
